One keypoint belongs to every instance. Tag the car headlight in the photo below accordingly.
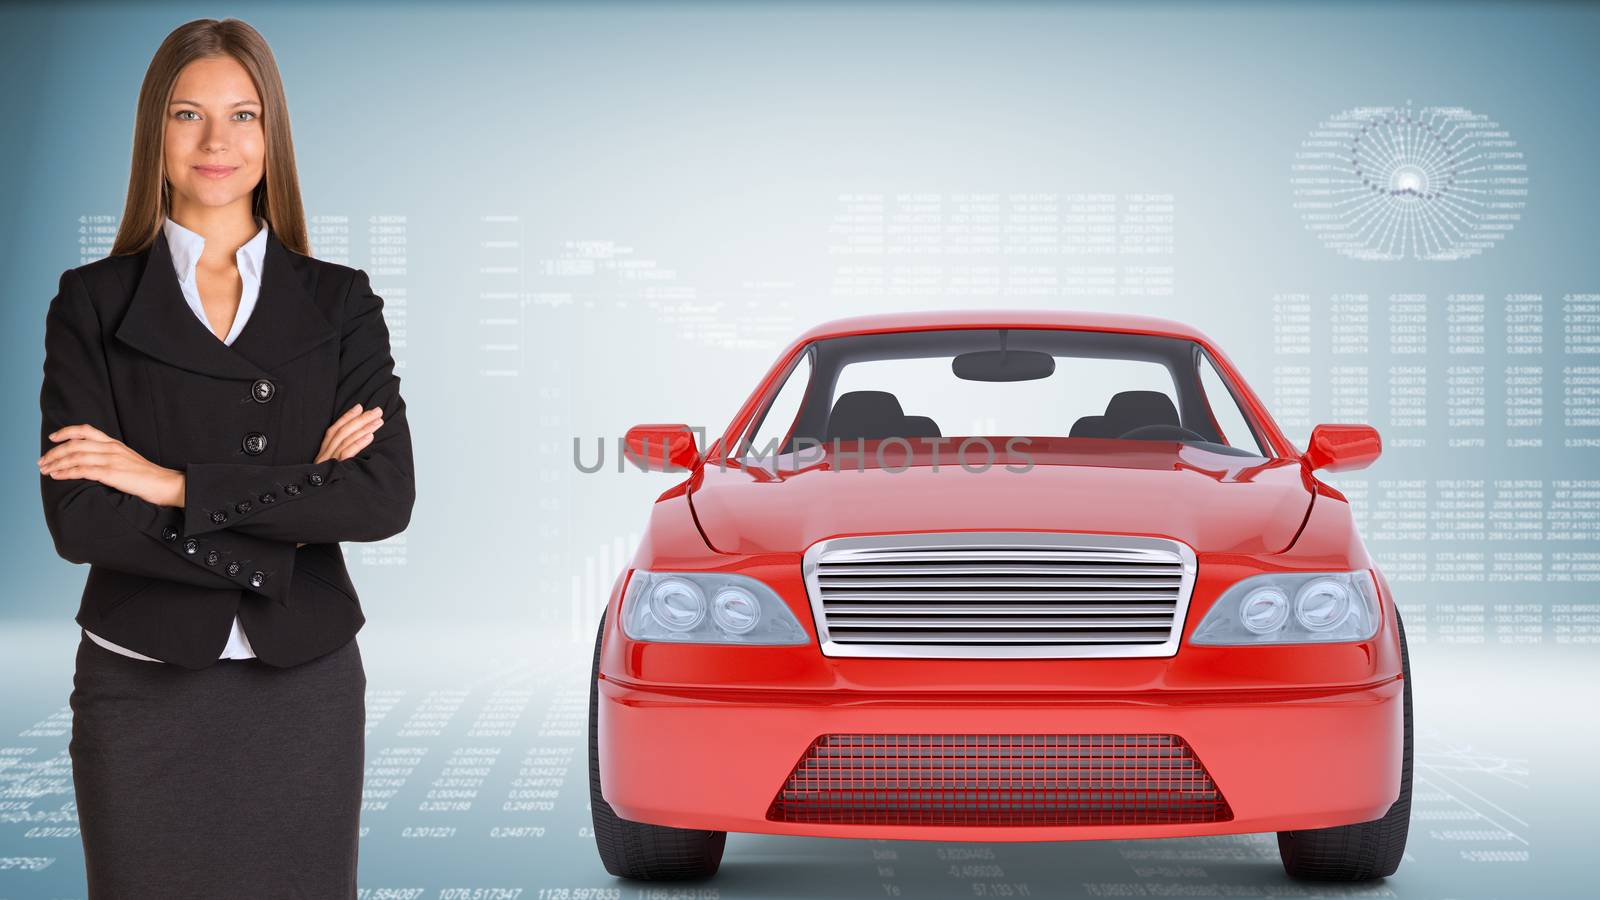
(1293, 608)
(707, 608)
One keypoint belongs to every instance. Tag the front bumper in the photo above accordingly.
(715, 758)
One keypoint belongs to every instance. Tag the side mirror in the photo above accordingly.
(661, 447)
(1340, 448)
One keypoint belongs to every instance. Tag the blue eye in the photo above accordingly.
(182, 111)
(246, 112)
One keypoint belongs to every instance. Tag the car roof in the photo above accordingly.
(1002, 318)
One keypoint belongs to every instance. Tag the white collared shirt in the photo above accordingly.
(186, 246)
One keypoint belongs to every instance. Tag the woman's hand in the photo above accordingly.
(349, 433)
(84, 451)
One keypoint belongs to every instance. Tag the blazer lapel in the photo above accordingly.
(286, 321)
(284, 324)
(160, 323)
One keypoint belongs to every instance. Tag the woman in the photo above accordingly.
(220, 410)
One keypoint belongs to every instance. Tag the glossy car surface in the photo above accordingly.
(1116, 725)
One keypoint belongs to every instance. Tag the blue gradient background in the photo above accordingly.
(714, 141)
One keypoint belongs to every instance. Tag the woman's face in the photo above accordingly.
(215, 149)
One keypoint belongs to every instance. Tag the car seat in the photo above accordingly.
(1133, 409)
(918, 427)
(1090, 426)
(869, 415)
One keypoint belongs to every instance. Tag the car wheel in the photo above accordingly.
(1365, 850)
(639, 850)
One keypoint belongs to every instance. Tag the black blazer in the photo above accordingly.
(126, 354)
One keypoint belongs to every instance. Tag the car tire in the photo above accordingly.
(1365, 850)
(638, 850)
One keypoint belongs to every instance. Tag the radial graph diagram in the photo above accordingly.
(1396, 183)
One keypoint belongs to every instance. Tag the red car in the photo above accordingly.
(1001, 576)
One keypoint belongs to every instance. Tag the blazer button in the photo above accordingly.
(315, 478)
(219, 516)
(256, 578)
(291, 489)
(269, 497)
(262, 390)
(169, 534)
(233, 568)
(191, 546)
(212, 556)
(255, 443)
(242, 507)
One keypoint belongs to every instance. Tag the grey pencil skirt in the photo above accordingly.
(240, 780)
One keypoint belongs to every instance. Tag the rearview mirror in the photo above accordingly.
(1340, 448)
(661, 447)
(1003, 365)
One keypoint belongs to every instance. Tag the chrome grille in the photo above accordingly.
(999, 594)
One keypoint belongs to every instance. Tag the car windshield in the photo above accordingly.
(933, 386)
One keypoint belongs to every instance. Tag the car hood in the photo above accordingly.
(1215, 503)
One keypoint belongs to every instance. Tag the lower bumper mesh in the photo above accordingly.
(999, 779)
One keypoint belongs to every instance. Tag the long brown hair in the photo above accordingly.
(276, 198)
